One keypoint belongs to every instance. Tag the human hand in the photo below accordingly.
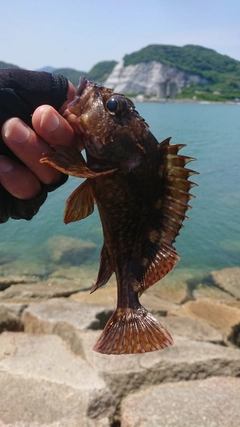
(23, 181)
(31, 104)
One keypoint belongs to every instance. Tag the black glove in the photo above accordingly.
(21, 92)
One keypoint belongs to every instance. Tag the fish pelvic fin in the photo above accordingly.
(80, 203)
(70, 161)
(131, 331)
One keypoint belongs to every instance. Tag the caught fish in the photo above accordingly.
(141, 189)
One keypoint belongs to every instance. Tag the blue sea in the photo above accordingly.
(210, 239)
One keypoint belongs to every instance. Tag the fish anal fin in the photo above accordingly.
(131, 331)
(158, 264)
(105, 270)
(80, 203)
(70, 161)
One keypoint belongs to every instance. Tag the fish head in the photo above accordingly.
(108, 125)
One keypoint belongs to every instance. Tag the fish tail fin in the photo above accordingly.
(132, 331)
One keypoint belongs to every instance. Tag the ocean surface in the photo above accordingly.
(211, 237)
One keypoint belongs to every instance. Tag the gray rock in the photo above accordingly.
(212, 402)
(220, 316)
(5, 282)
(228, 279)
(43, 383)
(15, 308)
(186, 360)
(43, 362)
(212, 292)
(171, 289)
(65, 318)
(192, 329)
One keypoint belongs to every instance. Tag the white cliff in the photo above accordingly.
(150, 78)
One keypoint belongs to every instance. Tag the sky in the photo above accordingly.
(78, 34)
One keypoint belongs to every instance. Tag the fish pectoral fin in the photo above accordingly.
(80, 203)
(105, 270)
(132, 331)
(70, 161)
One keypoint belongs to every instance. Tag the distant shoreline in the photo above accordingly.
(180, 101)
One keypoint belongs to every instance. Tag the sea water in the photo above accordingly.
(210, 239)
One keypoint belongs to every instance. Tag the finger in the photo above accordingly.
(18, 180)
(52, 127)
(29, 147)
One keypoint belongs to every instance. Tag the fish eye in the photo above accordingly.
(112, 105)
(116, 105)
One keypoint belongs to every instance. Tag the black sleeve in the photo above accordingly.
(21, 92)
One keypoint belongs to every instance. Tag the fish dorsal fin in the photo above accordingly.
(159, 255)
(80, 203)
(71, 162)
(105, 270)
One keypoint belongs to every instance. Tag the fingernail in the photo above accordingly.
(5, 164)
(16, 131)
(49, 121)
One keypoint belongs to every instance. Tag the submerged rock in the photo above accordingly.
(65, 249)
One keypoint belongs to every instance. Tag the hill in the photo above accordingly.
(101, 71)
(221, 71)
(98, 73)
(7, 65)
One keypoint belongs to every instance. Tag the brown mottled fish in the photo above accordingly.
(141, 189)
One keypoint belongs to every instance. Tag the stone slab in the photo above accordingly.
(212, 402)
(66, 318)
(228, 279)
(42, 382)
(221, 316)
(40, 290)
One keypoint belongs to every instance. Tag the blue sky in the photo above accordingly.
(78, 34)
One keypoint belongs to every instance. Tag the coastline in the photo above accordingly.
(142, 99)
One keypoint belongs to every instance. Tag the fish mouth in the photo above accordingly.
(81, 86)
(84, 95)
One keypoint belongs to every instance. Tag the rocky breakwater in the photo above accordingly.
(50, 376)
